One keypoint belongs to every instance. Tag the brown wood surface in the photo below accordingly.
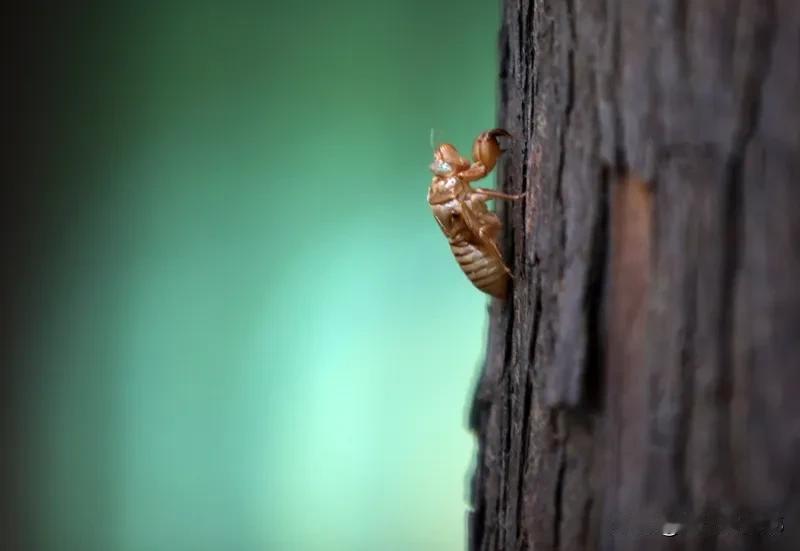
(646, 367)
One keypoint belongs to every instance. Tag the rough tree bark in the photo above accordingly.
(646, 367)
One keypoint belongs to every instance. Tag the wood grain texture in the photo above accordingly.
(646, 366)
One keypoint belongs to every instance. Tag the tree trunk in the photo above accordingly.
(644, 375)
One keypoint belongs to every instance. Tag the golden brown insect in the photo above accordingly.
(470, 227)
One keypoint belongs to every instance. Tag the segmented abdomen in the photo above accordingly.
(486, 271)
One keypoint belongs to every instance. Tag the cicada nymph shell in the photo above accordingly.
(460, 210)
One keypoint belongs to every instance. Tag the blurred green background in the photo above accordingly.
(248, 332)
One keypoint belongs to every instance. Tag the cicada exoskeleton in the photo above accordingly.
(460, 210)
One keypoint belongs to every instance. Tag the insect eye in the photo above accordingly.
(441, 167)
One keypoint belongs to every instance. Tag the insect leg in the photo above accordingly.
(484, 227)
(476, 171)
(492, 194)
(471, 219)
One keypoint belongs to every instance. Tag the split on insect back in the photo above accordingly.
(460, 210)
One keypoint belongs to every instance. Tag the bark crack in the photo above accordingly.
(530, 376)
(566, 120)
(593, 380)
(559, 496)
(586, 521)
